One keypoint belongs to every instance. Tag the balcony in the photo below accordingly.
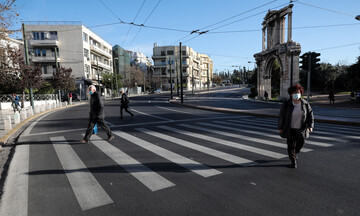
(46, 59)
(44, 43)
(160, 65)
(100, 64)
(100, 51)
(159, 56)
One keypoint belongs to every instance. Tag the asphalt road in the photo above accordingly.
(172, 160)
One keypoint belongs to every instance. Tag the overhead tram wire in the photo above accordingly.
(240, 20)
(145, 22)
(334, 11)
(110, 10)
(340, 46)
(133, 22)
(242, 13)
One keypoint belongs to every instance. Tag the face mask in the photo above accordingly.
(90, 92)
(297, 96)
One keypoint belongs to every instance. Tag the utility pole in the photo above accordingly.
(177, 78)
(208, 81)
(171, 89)
(115, 71)
(309, 77)
(244, 74)
(28, 64)
(192, 78)
(181, 76)
(57, 70)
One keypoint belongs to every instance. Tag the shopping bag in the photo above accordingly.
(95, 129)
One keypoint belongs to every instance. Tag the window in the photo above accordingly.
(86, 53)
(87, 71)
(44, 69)
(170, 52)
(163, 71)
(184, 70)
(85, 37)
(53, 35)
(37, 52)
(163, 62)
(183, 52)
(53, 52)
(184, 62)
(44, 52)
(106, 61)
(54, 69)
(162, 53)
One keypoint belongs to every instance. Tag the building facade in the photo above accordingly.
(70, 45)
(197, 68)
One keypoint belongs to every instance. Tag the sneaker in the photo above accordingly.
(111, 138)
(84, 141)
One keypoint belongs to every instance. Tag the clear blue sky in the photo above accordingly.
(226, 49)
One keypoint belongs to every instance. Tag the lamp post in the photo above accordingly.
(115, 72)
(357, 17)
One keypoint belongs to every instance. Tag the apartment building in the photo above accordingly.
(70, 45)
(5, 43)
(197, 68)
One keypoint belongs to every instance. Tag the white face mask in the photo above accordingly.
(296, 96)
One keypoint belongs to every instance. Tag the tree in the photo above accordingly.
(217, 79)
(110, 80)
(63, 80)
(354, 76)
(8, 16)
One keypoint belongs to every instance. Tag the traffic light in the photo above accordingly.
(315, 60)
(304, 61)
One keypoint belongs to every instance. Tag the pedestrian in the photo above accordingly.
(15, 102)
(331, 97)
(96, 115)
(266, 95)
(352, 97)
(296, 121)
(70, 98)
(124, 104)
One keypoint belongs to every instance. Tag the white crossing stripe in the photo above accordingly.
(14, 200)
(189, 164)
(145, 175)
(263, 141)
(312, 134)
(87, 189)
(243, 124)
(222, 155)
(229, 143)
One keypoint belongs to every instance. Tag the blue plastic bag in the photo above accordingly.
(95, 129)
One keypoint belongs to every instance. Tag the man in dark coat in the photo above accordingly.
(124, 104)
(96, 115)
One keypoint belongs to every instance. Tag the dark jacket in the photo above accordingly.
(286, 114)
(96, 106)
(124, 100)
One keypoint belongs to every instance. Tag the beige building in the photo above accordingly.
(87, 54)
(197, 68)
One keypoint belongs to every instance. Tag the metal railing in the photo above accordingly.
(8, 98)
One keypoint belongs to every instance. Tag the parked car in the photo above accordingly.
(157, 91)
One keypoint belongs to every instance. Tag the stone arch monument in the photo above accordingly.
(274, 48)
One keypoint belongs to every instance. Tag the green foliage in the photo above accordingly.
(45, 89)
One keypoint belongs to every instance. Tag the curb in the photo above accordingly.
(5, 138)
(240, 112)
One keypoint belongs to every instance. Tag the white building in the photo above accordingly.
(197, 68)
(86, 53)
(6, 42)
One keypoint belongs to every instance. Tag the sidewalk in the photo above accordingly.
(6, 133)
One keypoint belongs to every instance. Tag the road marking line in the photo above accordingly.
(267, 142)
(152, 115)
(222, 155)
(87, 189)
(257, 127)
(145, 175)
(174, 110)
(28, 129)
(16, 189)
(189, 164)
(232, 144)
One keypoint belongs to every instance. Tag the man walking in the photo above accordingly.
(96, 115)
(124, 104)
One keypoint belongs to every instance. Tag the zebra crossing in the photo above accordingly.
(256, 139)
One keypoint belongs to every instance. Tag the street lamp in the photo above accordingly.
(115, 72)
(357, 17)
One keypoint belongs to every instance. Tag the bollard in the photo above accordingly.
(16, 118)
(7, 123)
(31, 111)
(23, 114)
(42, 109)
(66, 103)
(37, 109)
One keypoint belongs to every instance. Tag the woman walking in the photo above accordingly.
(296, 121)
